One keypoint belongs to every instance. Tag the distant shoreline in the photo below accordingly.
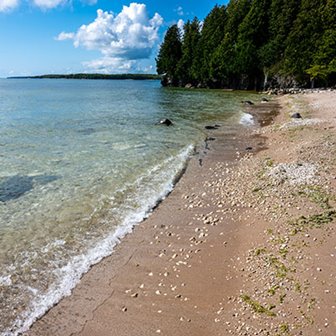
(91, 76)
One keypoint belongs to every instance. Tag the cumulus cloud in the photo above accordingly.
(123, 38)
(65, 36)
(110, 64)
(7, 5)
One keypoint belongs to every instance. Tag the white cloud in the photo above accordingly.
(90, 2)
(65, 36)
(180, 24)
(7, 5)
(128, 36)
(48, 4)
(179, 11)
(109, 64)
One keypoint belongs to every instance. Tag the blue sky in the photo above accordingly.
(68, 36)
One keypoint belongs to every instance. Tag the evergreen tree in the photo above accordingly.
(251, 43)
(304, 39)
(253, 33)
(212, 34)
(222, 64)
(324, 64)
(186, 67)
(282, 15)
(169, 55)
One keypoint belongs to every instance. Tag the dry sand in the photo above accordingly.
(244, 245)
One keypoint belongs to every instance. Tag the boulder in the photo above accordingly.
(166, 122)
(296, 116)
(212, 127)
(247, 102)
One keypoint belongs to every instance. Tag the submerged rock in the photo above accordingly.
(212, 127)
(247, 102)
(166, 122)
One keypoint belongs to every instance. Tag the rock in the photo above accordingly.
(264, 100)
(166, 122)
(247, 102)
(248, 148)
(296, 116)
(189, 86)
(212, 127)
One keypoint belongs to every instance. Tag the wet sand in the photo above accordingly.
(220, 255)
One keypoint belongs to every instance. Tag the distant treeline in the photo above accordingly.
(95, 76)
(254, 44)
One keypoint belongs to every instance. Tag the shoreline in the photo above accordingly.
(195, 163)
(182, 270)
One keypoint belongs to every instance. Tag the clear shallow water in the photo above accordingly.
(81, 162)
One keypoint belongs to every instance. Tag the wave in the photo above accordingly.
(163, 177)
(247, 119)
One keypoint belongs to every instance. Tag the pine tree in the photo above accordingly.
(169, 55)
(190, 52)
(324, 64)
(304, 39)
(245, 43)
(212, 34)
(282, 15)
(222, 64)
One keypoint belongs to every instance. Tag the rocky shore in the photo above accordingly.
(244, 245)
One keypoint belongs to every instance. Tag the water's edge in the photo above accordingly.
(80, 265)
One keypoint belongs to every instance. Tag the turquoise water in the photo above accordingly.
(81, 162)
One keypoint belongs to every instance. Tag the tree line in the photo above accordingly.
(92, 76)
(253, 44)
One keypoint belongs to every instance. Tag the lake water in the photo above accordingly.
(81, 162)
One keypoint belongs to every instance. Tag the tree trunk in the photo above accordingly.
(265, 78)
(312, 80)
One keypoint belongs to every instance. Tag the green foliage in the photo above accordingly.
(257, 307)
(169, 55)
(304, 39)
(253, 44)
(315, 220)
(188, 65)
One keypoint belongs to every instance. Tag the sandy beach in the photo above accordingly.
(244, 245)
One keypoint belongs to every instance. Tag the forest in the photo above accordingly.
(254, 45)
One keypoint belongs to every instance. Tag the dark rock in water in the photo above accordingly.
(166, 122)
(265, 100)
(210, 139)
(296, 116)
(14, 187)
(247, 102)
(87, 131)
(248, 148)
(212, 127)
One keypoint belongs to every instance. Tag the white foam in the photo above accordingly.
(247, 119)
(70, 275)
